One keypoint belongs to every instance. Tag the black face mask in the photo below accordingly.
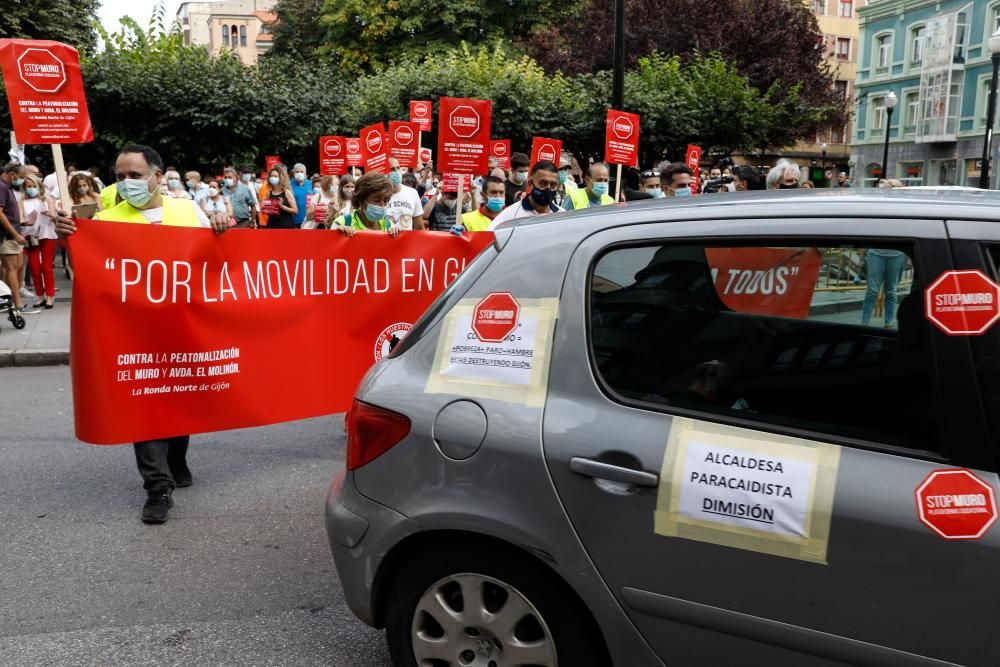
(542, 197)
(788, 187)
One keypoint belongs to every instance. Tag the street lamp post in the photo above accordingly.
(823, 163)
(890, 104)
(984, 169)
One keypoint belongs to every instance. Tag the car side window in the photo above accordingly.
(828, 339)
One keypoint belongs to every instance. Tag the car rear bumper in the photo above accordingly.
(361, 532)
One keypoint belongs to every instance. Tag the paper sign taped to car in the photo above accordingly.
(514, 368)
(747, 489)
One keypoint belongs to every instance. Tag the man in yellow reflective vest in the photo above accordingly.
(480, 219)
(162, 463)
(596, 192)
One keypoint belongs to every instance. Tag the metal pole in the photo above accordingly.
(618, 82)
(885, 150)
(984, 169)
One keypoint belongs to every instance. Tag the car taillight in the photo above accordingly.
(372, 432)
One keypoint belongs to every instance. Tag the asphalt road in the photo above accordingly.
(240, 575)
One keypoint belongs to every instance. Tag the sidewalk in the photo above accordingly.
(44, 341)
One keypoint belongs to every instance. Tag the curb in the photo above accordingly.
(36, 357)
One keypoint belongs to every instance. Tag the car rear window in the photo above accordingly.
(805, 337)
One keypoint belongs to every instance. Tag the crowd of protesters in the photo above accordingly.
(404, 199)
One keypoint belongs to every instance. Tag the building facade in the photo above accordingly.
(830, 151)
(932, 55)
(239, 26)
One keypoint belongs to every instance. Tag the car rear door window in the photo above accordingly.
(827, 339)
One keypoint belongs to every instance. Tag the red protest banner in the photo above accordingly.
(693, 160)
(270, 161)
(421, 113)
(45, 92)
(354, 155)
(426, 156)
(543, 149)
(500, 149)
(332, 156)
(621, 138)
(765, 281)
(374, 145)
(204, 359)
(403, 142)
(464, 135)
(449, 182)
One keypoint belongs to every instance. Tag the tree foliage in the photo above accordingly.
(769, 41)
(367, 36)
(59, 20)
(297, 32)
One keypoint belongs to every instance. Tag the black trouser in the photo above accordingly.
(154, 459)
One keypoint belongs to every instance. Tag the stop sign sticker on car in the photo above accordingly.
(956, 504)
(963, 303)
(495, 317)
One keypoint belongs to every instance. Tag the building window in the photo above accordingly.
(819, 6)
(841, 87)
(883, 47)
(846, 8)
(225, 35)
(843, 48)
(878, 115)
(243, 35)
(912, 108)
(235, 36)
(996, 19)
(961, 36)
(837, 135)
(917, 53)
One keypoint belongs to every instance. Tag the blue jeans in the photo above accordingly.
(886, 271)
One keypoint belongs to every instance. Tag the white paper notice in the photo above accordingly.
(743, 488)
(510, 361)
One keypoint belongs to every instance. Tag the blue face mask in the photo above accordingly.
(135, 191)
(495, 204)
(374, 212)
(31, 192)
(682, 192)
(395, 177)
(656, 192)
(273, 180)
(18, 182)
(563, 175)
(600, 189)
(520, 177)
(174, 184)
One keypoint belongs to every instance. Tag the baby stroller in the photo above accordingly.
(7, 303)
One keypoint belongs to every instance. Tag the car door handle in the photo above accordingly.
(592, 468)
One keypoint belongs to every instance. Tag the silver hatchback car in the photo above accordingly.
(740, 430)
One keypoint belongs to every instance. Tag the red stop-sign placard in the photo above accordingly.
(963, 303)
(956, 504)
(495, 317)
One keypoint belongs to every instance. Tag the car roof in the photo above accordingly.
(895, 203)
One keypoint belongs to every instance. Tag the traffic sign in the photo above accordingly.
(956, 504)
(963, 303)
(495, 317)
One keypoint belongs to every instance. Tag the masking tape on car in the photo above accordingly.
(515, 369)
(747, 489)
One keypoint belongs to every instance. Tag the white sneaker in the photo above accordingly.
(30, 310)
(27, 293)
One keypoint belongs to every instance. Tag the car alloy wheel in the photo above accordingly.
(471, 620)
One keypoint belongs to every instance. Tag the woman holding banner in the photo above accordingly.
(277, 200)
(371, 194)
(324, 204)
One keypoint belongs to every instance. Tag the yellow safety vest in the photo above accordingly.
(353, 220)
(476, 221)
(108, 196)
(581, 199)
(176, 213)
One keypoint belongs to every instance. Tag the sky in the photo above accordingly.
(140, 10)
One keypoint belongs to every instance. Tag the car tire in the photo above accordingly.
(563, 626)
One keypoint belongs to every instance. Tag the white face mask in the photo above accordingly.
(213, 192)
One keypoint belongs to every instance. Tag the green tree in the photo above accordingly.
(296, 32)
(367, 36)
(59, 20)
